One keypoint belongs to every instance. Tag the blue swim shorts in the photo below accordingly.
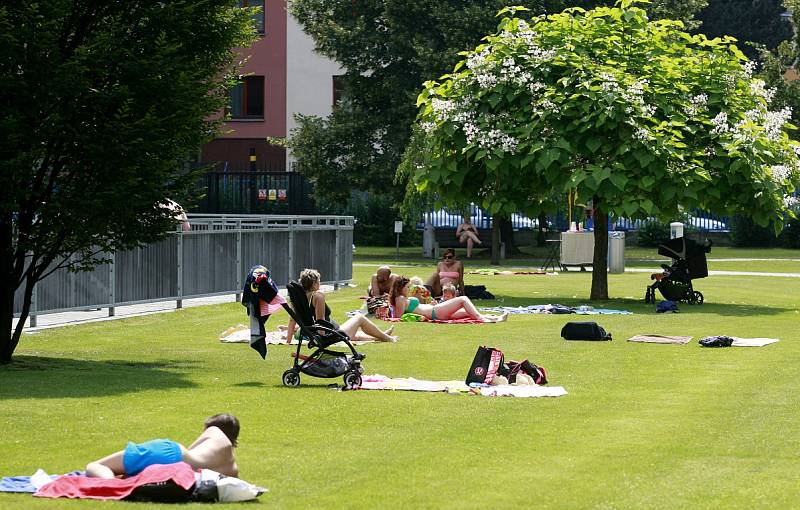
(158, 451)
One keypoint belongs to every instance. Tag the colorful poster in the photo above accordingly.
(262, 194)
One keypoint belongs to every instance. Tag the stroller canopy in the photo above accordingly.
(693, 253)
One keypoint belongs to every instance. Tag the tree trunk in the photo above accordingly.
(541, 237)
(495, 241)
(7, 289)
(600, 261)
(507, 236)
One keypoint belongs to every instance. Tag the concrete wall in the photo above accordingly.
(309, 78)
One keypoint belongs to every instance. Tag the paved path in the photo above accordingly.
(54, 320)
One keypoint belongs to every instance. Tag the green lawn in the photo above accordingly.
(643, 426)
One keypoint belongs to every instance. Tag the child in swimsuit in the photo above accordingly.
(457, 308)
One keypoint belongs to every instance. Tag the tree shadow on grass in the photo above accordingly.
(46, 377)
(637, 306)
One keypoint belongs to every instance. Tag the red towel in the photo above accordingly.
(449, 321)
(101, 488)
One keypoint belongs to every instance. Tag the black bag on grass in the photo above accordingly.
(584, 331)
(485, 365)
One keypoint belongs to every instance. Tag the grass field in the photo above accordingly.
(643, 425)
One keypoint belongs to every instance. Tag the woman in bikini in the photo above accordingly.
(457, 308)
(467, 233)
(449, 270)
(358, 327)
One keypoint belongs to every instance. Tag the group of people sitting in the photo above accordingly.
(214, 448)
(441, 297)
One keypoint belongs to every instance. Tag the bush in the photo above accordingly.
(746, 233)
(790, 237)
(652, 234)
(375, 216)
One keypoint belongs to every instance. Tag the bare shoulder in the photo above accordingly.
(217, 434)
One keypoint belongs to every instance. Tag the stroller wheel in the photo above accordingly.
(698, 297)
(291, 378)
(352, 380)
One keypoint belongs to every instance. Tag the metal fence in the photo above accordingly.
(255, 193)
(701, 220)
(210, 259)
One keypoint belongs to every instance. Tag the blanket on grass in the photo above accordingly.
(494, 272)
(660, 339)
(240, 334)
(180, 473)
(32, 483)
(752, 342)
(438, 321)
(382, 382)
(555, 309)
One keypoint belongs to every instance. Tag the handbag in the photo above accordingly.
(485, 365)
(584, 331)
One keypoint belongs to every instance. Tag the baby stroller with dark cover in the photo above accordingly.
(689, 263)
(320, 335)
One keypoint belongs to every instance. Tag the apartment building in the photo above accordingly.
(282, 76)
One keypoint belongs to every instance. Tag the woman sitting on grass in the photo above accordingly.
(457, 308)
(358, 327)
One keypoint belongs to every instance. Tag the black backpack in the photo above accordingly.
(584, 331)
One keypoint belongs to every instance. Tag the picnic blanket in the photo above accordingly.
(555, 309)
(752, 342)
(660, 339)
(382, 382)
(494, 272)
(437, 321)
(240, 334)
(30, 483)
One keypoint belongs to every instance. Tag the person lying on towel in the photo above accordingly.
(459, 307)
(213, 449)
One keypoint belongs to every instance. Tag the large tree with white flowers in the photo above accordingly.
(638, 116)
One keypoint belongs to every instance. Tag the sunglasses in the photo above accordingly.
(448, 257)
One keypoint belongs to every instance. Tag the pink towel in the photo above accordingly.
(101, 488)
(273, 306)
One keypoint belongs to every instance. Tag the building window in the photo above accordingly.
(338, 89)
(258, 17)
(247, 98)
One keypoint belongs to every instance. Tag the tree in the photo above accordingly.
(103, 103)
(640, 117)
(388, 48)
(749, 21)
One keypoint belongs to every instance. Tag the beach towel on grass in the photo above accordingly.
(752, 342)
(438, 321)
(240, 334)
(382, 382)
(82, 487)
(495, 272)
(554, 309)
(660, 339)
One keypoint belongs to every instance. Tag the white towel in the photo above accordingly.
(752, 342)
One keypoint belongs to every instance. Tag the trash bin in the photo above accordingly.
(616, 252)
(675, 229)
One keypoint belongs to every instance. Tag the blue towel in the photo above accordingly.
(23, 483)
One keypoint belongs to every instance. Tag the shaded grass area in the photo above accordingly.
(643, 426)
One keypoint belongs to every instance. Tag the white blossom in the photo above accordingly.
(641, 134)
(428, 127)
(780, 173)
(790, 201)
(759, 88)
(720, 124)
(749, 68)
(774, 121)
(697, 104)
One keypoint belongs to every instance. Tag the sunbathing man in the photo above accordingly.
(213, 449)
(381, 282)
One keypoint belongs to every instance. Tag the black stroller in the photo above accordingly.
(320, 335)
(689, 263)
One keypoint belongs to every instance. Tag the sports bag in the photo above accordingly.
(511, 369)
(716, 341)
(584, 331)
(485, 365)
